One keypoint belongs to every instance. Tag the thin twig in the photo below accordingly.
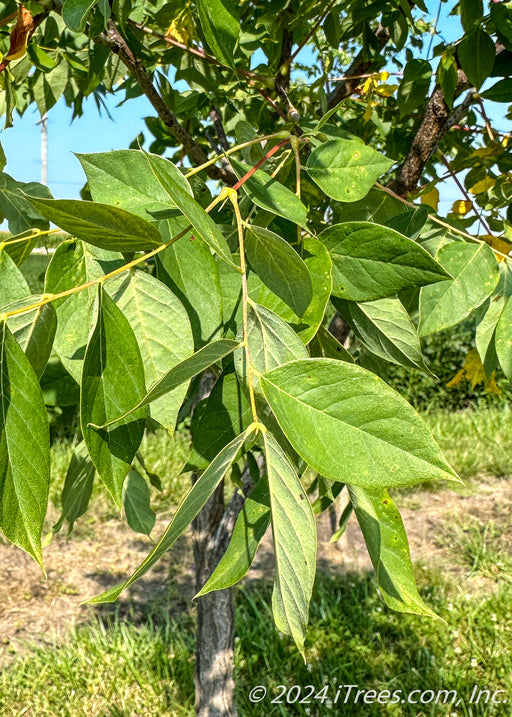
(486, 120)
(116, 42)
(198, 52)
(465, 194)
(436, 220)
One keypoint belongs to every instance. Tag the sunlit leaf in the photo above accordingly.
(321, 403)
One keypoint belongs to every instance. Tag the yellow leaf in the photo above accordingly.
(483, 186)
(490, 384)
(386, 90)
(456, 379)
(498, 244)
(177, 32)
(474, 372)
(431, 198)
(462, 207)
(182, 27)
(369, 85)
(368, 112)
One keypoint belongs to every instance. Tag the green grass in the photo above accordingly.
(114, 667)
(475, 442)
(480, 546)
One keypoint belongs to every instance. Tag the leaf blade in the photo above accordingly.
(112, 381)
(319, 404)
(101, 225)
(346, 169)
(387, 544)
(294, 534)
(24, 449)
(374, 262)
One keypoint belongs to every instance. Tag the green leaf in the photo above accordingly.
(447, 76)
(328, 491)
(167, 175)
(324, 345)
(112, 382)
(221, 28)
(409, 223)
(294, 534)
(101, 225)
(503, 339)
(380, 440)
(13, 285)
(74, 264)
(179, 374)
(244, 132)
(77, 487)
(19, 246)
(477, 53)
(162, 329)
(486, 319)
(319, 265)
(501, 16)
(384, 326)
(500, 92)
(250, 527)
(377, 207)
(24, 450)
(271, 343)
(387, 544)
(471, 12)
(136, 502)
(41, 59)
(76, 12)
(191, 272)
(125, 179)
(188, 509)
(373, 262)
(414, 87)
(225, 415)
(475, 276)
(16, 208)
(271, 195)
(49, 87)
(34, 330)
(280, 268)
(345, 169)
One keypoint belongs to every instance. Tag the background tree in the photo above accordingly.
(174, 297)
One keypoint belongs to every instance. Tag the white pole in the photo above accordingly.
(44, 150)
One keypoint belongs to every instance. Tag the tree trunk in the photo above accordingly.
(213, 679)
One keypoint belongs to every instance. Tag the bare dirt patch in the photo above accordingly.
(38, 610)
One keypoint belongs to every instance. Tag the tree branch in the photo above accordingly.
(435, 122)
(116, 42)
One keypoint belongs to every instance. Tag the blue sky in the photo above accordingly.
(95, 133)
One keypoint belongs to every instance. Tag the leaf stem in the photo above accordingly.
(29, 237)
(195, 170)
(294, 143)
(75, 289)
(233, 197)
